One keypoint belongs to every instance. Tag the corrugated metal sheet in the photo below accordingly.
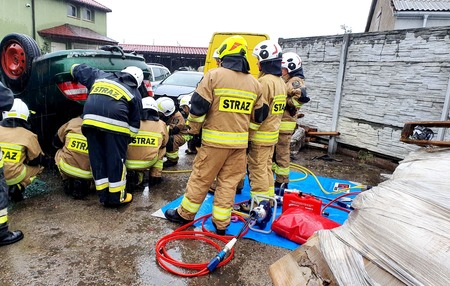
(165, 49)
(422, 5)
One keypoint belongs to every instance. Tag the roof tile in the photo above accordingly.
(165, 49)
(72, 31)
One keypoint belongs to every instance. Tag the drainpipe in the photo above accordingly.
(425, 18)
(33, 20)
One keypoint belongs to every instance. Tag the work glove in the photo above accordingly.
(174, 131)
(304, 98)
(196, 140)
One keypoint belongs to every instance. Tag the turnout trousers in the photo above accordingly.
(107, 154)
(4, 200)
(282, 158)
(228, 166)
(260, 170)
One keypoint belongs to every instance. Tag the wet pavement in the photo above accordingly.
(79, 242)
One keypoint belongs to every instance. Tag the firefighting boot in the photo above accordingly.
(132, 181)
(219, 231)
(114, 203)
(9, 237)
(155, 181)
(173, 216)
(128, 199)
(80, 189)
(170, 163)
(15, 192)
(279, 188)
(68, 186)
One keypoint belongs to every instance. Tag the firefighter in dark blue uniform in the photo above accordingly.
(111, 117)
(6, 236)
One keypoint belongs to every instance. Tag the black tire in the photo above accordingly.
(17, 54)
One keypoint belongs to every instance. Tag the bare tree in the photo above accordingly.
(346, 29)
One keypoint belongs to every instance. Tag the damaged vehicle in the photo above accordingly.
(45, 84)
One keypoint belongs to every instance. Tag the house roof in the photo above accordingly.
(75, 32)
(91, 3)
(165, 49)
(422, 5)
(411, 6)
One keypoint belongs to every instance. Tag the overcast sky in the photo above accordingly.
(188, 22)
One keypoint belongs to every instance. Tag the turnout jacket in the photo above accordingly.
(273, 95)
(19, 146)
(112, 105)
(177, 124)
(293, 104)
(148, 147)
(73, 158)
(222, 106)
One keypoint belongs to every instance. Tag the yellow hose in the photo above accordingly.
(308, 172)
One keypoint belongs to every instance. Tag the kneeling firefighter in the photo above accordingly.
(177, 129)
(23, 156)
(72, 158)
(146, 152)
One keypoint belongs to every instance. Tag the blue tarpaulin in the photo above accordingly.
(307, 184)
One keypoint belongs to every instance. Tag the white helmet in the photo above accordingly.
(166, 106)
(291, 61)
(136, 73)
(216, 54)
(186, 100)
(149, 103)
(19, 110)
(267, 50)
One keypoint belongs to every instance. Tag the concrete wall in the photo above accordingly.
(367, 85)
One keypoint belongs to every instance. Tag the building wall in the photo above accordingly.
(383, 17)
(389, 78)
(418, 22)
(15, 17)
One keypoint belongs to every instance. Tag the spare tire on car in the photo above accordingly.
(17, 54)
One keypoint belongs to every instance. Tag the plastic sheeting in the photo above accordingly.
(402, 226)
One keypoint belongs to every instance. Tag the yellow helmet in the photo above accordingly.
(233, 46)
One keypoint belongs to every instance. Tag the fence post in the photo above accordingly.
(332, 143)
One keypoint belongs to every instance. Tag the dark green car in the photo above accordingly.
(44, 82)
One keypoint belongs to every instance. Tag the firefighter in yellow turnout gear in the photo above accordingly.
(292, 74)
(146, 151)
(177, 129)
(22, 154)
(72, 158)
(221, 108)
(264, 136)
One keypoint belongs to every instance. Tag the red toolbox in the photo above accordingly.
(295, 198)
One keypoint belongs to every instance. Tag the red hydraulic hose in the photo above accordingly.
(329, 204)
(168, 263)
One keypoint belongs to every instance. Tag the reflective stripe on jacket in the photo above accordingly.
(233, 96)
